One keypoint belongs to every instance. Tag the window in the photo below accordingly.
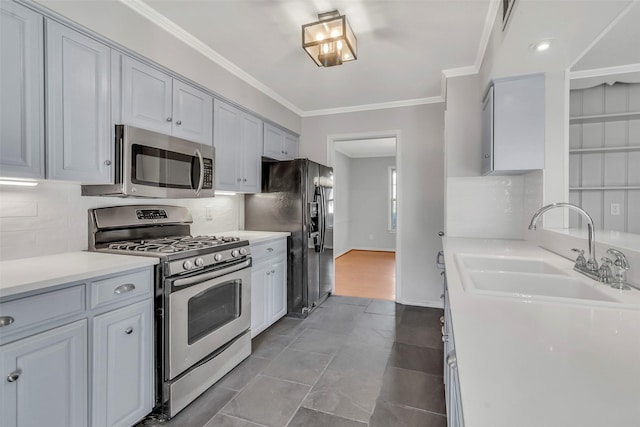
(393, 199)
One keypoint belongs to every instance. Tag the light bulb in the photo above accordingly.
(339, 44)
(325, 48)
(542, 46)
(335, 33)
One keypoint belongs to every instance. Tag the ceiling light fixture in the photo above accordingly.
(330, 40)
(542, 45)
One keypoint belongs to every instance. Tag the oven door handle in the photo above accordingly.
(214, 274)
(201, 181)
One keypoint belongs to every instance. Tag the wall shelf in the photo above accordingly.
(622, 187)
(600, 118)
(605, 149)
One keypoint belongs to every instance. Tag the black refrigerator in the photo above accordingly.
(297, 196)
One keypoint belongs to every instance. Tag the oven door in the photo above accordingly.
(157, 165)
(212, 309)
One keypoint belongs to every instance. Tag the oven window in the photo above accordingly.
(161, 168)
(213, 308)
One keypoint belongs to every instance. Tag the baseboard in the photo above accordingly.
(342, 253)
(418, 303)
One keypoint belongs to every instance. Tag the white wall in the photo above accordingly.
(342, 195)
(420, 163)
(369, 204)
(119, 23)
(52, 217)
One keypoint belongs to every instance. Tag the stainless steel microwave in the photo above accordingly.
(151, 164)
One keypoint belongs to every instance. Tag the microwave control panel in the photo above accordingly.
(208, 174)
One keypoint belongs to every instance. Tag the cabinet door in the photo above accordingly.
(226, 141)
(251, 157)
(273, 142)
(79, 125)
(290, 146)
(192, 114)
(50, 378)
(21, 92)
(278, 289)
(146, 97)
(123, 365)
(487, 133)
(259, 299)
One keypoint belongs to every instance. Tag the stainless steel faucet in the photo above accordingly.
(590, 268)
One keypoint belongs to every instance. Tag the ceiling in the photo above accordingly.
(403, 45)
(372, 147)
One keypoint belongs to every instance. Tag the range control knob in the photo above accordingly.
(243, 251)
(187, 265)
(217, 257)
(234, 253)
(199, 262)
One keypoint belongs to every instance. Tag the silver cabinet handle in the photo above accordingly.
(442, 330)
(239, 180)
(281, 151)
(6, 320)
(486, 156)
(107, 162)
(129, 330)
(244, 180)
(13, 376)
(169, 119)
(452, 361)
(268, 273)
(123, 289)
(179, 122)
(269, 249)
(273, 271)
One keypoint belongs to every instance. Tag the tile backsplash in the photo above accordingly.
(486, 206)
(52, 217)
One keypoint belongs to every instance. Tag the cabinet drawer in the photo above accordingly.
(41, 310)
(264, 250)
(120, 288)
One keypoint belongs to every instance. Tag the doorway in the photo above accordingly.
(365, 218)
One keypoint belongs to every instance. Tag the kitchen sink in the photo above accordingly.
(508, 264)
(526, 285)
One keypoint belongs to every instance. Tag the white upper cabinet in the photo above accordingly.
(238, 143)
(146, 96)
(513, 125)
(193, 113)
(78, 107)
(21, 92)
(153, 100)
(279, 144)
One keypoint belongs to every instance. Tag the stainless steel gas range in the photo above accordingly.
(202, 295)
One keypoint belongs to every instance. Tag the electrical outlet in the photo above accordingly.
(208, 213)
(615, 208)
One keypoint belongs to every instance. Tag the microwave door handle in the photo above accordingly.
(201, 181)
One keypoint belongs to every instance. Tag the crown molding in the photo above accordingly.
(175, 30)
(606, 71)
(369, 107)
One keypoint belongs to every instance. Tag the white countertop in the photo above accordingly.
(30, 274)
(256, 236)
(527, 362)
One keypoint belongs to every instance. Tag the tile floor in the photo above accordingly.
(354, 362)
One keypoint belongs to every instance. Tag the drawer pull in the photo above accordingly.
(6, 320)
(129, 330)
(123, 289)
(269, 249)
(13, 376)
(452, 361)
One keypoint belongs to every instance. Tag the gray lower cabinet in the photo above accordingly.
(21, 92)
(453, 400)
(78, 112)
(268, 284)
(44, 378)
(81, 345)
(122, 374)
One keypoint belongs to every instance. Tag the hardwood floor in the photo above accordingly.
(366, 274)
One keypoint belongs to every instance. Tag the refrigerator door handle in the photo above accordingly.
(323, 233)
